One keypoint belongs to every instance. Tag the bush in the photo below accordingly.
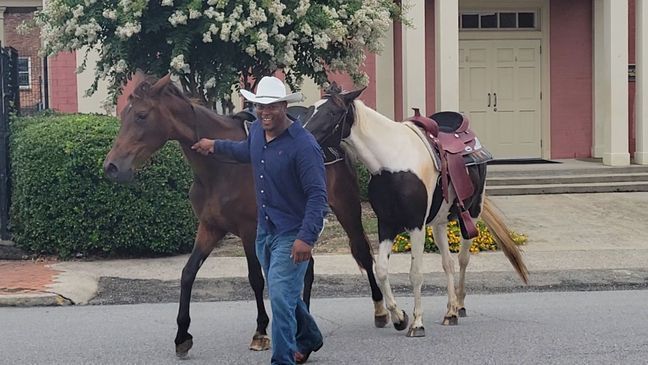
(62, 204)
(363, 180)
(483, 242)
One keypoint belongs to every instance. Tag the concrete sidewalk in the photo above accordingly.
(566, 232)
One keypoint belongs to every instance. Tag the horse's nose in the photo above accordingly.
(111, 170)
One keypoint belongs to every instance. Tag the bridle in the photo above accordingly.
(338, 133)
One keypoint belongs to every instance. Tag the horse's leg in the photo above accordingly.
(260, 340)
(387, 234)
(309, 277)
(417, 238)
(464, 259)
(205, 242)
(439, 229)
(344, 198)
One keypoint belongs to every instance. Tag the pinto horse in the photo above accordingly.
(222, 193)
(404, 192)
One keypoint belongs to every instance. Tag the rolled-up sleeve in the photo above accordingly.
(312, 175)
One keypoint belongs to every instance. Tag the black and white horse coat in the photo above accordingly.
(404, 193)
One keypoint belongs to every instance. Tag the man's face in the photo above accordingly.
(272, 116)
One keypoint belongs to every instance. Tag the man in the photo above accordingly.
(291, 199)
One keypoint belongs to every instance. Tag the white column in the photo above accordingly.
(598, 144)
(384, 78)
(446, 32)
(2, 38)
(414, 59)
(641, 90)
(614, 82)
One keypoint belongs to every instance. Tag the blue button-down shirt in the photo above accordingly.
(289, 179)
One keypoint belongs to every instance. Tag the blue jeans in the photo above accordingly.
(293, 328)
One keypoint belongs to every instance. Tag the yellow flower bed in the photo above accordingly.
(483, 242)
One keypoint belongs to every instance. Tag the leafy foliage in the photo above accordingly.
(213, 45)
(62, 203)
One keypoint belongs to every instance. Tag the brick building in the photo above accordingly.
(538, 78)
(53, 83)
(30, 64)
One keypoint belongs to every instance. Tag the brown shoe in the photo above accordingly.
(302, 358)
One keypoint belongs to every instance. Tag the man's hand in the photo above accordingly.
(204, 146)
(301, 251)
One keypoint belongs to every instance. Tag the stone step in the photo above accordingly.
(565, 179)
(557, 170)
(535, 189)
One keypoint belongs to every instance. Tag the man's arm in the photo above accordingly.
(236, 150)
(312, 174)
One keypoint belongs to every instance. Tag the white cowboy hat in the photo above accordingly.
(271, 90)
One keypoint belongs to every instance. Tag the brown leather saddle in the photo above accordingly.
(455, 147)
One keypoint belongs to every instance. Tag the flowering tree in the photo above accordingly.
(213, 45)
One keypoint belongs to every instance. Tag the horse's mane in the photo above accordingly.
(142, 90)
(146, 88)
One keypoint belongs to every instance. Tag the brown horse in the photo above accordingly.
(222, 194)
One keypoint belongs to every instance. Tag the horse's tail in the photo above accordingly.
(495, 223)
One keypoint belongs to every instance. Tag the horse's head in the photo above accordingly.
(333, 117)
(146, 125)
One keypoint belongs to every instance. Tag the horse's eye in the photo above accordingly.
(140, 117)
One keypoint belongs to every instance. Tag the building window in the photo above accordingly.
(498, 20)
(24, 72)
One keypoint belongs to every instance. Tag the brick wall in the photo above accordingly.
(571, 78)
(27, 45)
(63, 83)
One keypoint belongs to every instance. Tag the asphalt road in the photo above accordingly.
(601, 327)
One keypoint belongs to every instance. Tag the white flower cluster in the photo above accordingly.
(110, 14)
(178, 64)
(301, 36)
(211, 13)
(178, 17)
(211, 83)
(302, 8)
(121, 66)
(127, 30)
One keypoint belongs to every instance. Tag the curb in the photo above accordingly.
(10, 252)
(34, 300)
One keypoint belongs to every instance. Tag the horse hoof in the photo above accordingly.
(260, 343)
(416, 332)
(182, 350)
(402, 324)
(462, 312)
(381, 321)
(450, 321)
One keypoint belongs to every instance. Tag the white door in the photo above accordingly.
(500, 93)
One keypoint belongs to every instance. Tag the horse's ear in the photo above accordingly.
(141, 90)
(350, 96)
(160, 85)
(333, 89)
(139, 75)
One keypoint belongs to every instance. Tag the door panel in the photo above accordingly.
(508, 71)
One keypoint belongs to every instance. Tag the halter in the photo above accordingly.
(340, 125)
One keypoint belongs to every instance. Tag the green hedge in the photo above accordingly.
(363, 180)
(62, 204)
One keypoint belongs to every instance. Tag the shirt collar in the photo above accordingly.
(295, 127)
